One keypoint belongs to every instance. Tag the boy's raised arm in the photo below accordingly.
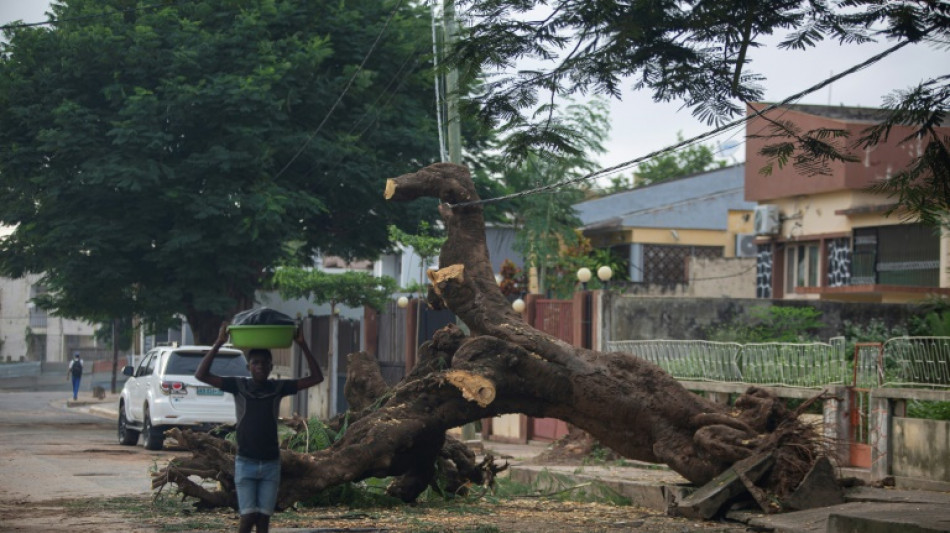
(203, 373)
(316, 376)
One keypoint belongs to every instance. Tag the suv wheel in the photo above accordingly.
(152, 438)
(127, 436)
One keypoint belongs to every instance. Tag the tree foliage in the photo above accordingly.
(561, 278)
(698, 52)
(770, 324)
(426, 243)
(351, 288)
(690, 160)
(158, 160)
(546, 222)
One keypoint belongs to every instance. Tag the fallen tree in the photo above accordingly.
(506, 366)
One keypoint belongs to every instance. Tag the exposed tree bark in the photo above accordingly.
(506, 366)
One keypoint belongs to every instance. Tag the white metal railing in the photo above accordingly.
(916, 361)
(776, 363)
(812, 364)
(867, 371)
(695, 360)
(898, 362)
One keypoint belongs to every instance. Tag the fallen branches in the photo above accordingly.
(506, 366)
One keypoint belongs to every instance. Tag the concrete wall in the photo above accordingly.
(507, 427)
(634, 317)
(921, 448)
(729, 277)
(724, 277)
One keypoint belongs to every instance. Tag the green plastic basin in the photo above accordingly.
(262, 336)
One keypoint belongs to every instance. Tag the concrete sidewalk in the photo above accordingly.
(868, 509)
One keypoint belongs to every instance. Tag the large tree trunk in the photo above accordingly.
(506, 366)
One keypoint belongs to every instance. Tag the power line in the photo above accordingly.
(702, 136)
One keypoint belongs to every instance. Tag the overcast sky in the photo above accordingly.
(640, 126)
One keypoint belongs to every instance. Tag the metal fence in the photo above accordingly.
(693, 360)
(916, 361)
(897, 362)
(774, 363)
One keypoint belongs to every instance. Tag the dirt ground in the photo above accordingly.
(522, 515)
(52, 484)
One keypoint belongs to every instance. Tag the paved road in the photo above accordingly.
(50, 451)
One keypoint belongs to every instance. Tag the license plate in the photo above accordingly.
(210, 391)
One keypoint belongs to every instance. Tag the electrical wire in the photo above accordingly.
(686, 142)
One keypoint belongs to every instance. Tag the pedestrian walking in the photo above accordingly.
(256, 402)
(75, 372)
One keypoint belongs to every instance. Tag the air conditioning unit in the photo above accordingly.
(745, 245)
(767, 220)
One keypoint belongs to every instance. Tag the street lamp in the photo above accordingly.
(518, 305)
(604, 274)
(583, 276)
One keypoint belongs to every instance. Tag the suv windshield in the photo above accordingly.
(224, 364)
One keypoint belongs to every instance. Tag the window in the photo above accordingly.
(802, 266)
(224, 364)
(903, 254)
(666, 264)
(145, 367)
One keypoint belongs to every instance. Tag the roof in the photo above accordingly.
(700, 201)
(869, 115)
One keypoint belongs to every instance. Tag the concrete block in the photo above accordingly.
(891, 518)
(712, 498)
(818, 489)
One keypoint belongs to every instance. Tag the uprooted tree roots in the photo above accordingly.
(506, 366)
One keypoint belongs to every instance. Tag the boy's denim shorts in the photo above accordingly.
(257, 483)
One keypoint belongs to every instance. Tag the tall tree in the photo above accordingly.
(689, 160)
(159, 159)
(547, 222)
(506, 366)
(698, 52)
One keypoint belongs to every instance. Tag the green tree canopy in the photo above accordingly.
(547, 222)
(351, 288)
(697, 52)
(690, 160)
(157, 160)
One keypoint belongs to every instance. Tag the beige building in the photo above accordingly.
(31, 334)
(826, 236)
(689, 237)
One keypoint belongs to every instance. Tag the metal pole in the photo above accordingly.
(453, 124)
(115, 352)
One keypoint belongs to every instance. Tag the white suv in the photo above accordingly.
(162, 392)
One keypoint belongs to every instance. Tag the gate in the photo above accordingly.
(867, 374)
(348, 341)
(391, 343)
(556, 318)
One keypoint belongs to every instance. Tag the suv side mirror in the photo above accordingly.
(128, 370)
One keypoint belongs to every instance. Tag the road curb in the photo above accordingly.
(111, 411)
(655, 494)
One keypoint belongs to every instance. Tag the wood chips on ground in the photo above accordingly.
(522, 515)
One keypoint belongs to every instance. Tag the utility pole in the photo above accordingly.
(115, 352)
(453, 124)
